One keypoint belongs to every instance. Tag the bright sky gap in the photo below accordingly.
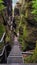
(14, 2)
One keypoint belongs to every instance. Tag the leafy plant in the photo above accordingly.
(34, 57)
(34, 6)
(1, 5)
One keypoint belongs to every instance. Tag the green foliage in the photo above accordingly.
(2, 29)
(25, 32)
(34, 11)
(1, 46)
(22, 38)
(34, 6)
(32, 58)
(1, 5)
(7, 38)
(23, 44)
(28, 59)
(1, 1)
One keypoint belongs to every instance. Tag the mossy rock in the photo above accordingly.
(31, 35)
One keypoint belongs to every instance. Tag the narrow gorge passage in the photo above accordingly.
(15, 55)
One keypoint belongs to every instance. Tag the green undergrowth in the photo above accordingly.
(2, 30)
(7, 38)
(23, 43)
(22, 38)
(32, 58)
(1, 46)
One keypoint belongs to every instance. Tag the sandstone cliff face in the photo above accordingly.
(31, 34)
(28, 31)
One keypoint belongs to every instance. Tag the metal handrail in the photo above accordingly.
(2, 41)
(3, 50)
(2, 37)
